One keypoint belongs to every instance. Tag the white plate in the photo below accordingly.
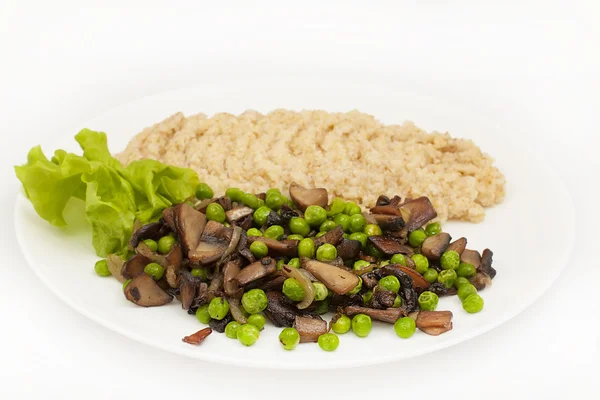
(531, 233)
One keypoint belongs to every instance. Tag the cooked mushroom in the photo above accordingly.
(389, 315)
(201, 297)
(273, 218)
(279, 313)
(434, 322)
(153, 230)
(168, 216)
(382, 298)
(198, 337)
(417, 213)
(225, 202)
(458, 245)
(145, 292)
(337, 279)
(338, 300)
(407, 290)
(216, 286)
(434, 246)
(188, 287)
(171, 262)
(471, 256)
(134, 267)
(190, 225)
(310, 328)
(486, 264)
(256, 270)
(245, 223)
(382, 200)
(287, 248)
(333, 237)
(387, 209)
(237, 213)
(115, 266)
(219, 325)
(441, 290)
(391, 223)
(369, 280)
(304, 197)
(389, 245)
(481, 280)
(231, 269)
(214, 241)
(348, 249)
(242, 248)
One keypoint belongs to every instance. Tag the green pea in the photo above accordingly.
(428, 301)
(343, 220)
(320, 291)
(155, 270)
(274, 232)
(342, 324)
(398, 259)
(322, 307)
(374, 251)
(202, 314)
(275, 201)
(383, 263)
(235, 194)
(357, 223)
(416, 238)
(289, 338)
(421, 263)
(203, 191)
(254, 232)
(328, 341)
(361, 237)
(127, 282)
(165, 244)
(450, 260)
(351, 208)
(294, 262)
(272, 191)
(362, 325)
(254, 301)
(101, 268)
(345, 235)
(473, 303)
(218, 308)
(292, 289)
(315, 215)
(367, 296)
(215, 212)
(152, 245)
(248, 334)
(466, 270)
(397, 302)
(405, 327)
(259, 249)
(201, 272)
(357, 287)
(257, 320)
(336, 207)
(465, 291)
(250, 200)
(306, 248)
(390, 283)
(299, 226)
(327, 226)
(447, 277)
(231, 329)
(318, 235)
(326, 252)
(430, 275)
(433, 229)
(260, 215)
(227, 224)
(360, 264)
(461, 281)
(372, 230)
(280, 263)
(295, 236)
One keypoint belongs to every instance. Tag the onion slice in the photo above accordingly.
(236, 311)
(309, 290)
(235, 238)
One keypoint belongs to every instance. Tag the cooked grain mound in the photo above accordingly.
(351, 154)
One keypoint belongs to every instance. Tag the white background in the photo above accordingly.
(62, 63)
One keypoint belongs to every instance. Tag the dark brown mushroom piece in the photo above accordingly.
(154, 231)
(145, 292)
(434, 246)
(279, 313)
(338, 300)
(287, 213)
(168, 216)
(170, 262)
(245, 223)
(231, 269)
(256, 270)
(348, 249)
(471, 257)
(214, 241)
(310, 328)
(219, 325)
(236, 214)
(486, 264)
(336, 279)
(441, 290)
(458, 245)
(417, 213)
(277, 248)
(389, 245)
(332, 237)
(337, 262)
(272, 281)
(242, 247)
(273, 218)
(389, 223)
(407, 292)
(304, 197)
(201, 297)
(382, 299)
(225, 202)
(434, 322)
(389, 315)
(190, 226)
(134, 267)
(198, 337)
(188, 288)
(387, 209)
(382, 200)
(481, 280)
(369, 280)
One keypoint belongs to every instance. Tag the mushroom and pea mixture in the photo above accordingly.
(241, 259)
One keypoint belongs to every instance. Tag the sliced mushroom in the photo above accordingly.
(134, 267)
(486, 264)
(145, 292)
(115, 266)
(471, 257)
(225, 202)
(188, 287)
(171, 262)
(198, 337)
(458, 245)
(337, 279)
(338, 300)
(154, 231)
(219, 325)
(237, 213)
(279, 313)
(333, 237)
(481, 280)
(245, 223)
(216, 286)
(168, 215)
(441, 290)
(434, 246)
(382, 200)
(417, 213)
(434, 322)
(390, 223)
(243, 249)
(230, 271)
(382, 299)
(190, 225)
(304, 197)
(214, 241)
(387, 209)
(348, 249)
(369, 280)
(273, 281)
(256, 270)
(389, 315)
(389, 245)
(201, 297)
(310, 328)
(287, 248)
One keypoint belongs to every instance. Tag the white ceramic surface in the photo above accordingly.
(531, 233)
